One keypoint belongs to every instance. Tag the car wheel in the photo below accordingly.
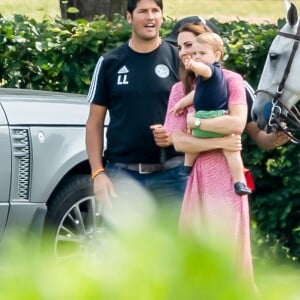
(74, 224)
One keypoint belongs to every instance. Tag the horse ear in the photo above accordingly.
(287, 5)
(292, 15)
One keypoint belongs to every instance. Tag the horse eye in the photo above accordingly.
(273, 56)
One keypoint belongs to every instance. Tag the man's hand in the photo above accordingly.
(279, 138)
(103, 189)
(161, 137)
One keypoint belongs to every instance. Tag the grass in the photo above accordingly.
(250, 10)
(36, 9)
(224, 10)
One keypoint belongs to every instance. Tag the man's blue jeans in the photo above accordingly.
(164, 187)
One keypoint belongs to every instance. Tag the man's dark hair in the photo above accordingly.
(131, 5)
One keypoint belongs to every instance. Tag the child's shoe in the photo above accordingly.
(241, 189)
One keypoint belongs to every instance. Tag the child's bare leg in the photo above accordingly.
(189, 159)
(236, 167)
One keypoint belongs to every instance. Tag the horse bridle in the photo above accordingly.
(292, 115)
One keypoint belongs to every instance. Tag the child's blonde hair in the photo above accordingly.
(212, 39)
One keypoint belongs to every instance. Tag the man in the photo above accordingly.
(133, 82)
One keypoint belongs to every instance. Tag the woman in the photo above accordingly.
(210, 204)
(202, 180)
(211, 97)
(261, 138)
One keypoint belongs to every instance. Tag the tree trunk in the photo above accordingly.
(88, 9)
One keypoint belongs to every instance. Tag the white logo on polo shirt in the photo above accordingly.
(122, 76)
(162, 71)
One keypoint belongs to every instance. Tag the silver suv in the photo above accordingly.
(45, 175)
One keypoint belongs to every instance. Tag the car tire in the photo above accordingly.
(74, 223)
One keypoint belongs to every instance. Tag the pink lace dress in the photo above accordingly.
(210, 204)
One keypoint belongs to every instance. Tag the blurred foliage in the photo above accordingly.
(148, 262)
(60, 55)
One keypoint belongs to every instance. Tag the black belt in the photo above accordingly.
(151, 168)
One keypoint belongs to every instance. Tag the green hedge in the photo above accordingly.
(60, 55)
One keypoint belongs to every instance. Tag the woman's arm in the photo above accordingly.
(174, 129)
(186, 143)
(234, 122)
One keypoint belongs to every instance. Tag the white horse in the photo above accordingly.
(278, 90)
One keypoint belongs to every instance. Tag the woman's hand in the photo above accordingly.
(231, 142)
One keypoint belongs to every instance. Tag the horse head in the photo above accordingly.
(278, 89)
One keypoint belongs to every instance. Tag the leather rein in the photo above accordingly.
(290, 117)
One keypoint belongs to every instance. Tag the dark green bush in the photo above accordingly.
(60, 55)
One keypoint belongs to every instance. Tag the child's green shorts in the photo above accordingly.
(203, 114)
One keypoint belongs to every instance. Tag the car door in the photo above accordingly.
(5, 169)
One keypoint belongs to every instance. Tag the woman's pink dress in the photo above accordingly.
(210, 204)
